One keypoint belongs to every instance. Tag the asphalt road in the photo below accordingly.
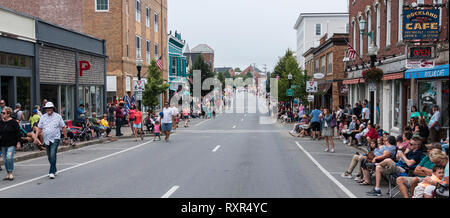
(231, 156)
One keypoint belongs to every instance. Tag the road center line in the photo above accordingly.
(170, 192)
(76, 166)
(342, 187)
(216, 148)
(234, 127)
(198, 124)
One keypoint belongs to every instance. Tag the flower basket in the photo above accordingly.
(373, 74)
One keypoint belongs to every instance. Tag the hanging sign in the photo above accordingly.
(421, 24)
(311, 86)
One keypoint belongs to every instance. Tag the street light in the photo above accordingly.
(139, 67)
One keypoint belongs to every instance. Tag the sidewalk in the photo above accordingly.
(126, 131)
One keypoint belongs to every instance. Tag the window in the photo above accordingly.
(388, 23)
(147, 17)
(369, 27)
(101, 5)
(377, 8)
(126, 7)
(174, 64)
(138, 10)
(316, 66)
(156, 22)
(128, 54)
(400, 20)
(346, 28)
(148, 52)
(354, 34)
(156, 52)
(330, 63)
(322, 64)
(318, 29)
(138, 47)
(396, 106)
(361, 39)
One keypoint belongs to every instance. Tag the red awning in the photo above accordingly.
(394, 76)
(351, 81)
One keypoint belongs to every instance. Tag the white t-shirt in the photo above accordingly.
(168, 113)
(175, 111)
(367, 111)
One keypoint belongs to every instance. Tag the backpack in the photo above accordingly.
(14, 115)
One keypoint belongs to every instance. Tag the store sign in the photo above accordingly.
(421, 24)
(440, 71)
(84, 65)
(311, 86)
(420, 52)
(421, 63)
(319, 76)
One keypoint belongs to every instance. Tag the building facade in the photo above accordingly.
(326, 60)
(205, 51)
(311, 27)
(132, 29)
(39, 60)
(391, 99)
(177, 64)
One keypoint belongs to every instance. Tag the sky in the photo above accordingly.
(244, 32)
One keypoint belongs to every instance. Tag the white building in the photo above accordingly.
(312, 26)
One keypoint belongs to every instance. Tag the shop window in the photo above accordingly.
(23, 94)
(3, 59)
(13, 60)
(444, 103)
(396, 109)
(427, 96)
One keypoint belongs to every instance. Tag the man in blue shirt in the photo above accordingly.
(79, 115)
(315, 122)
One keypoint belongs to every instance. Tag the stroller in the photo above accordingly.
(80, 133)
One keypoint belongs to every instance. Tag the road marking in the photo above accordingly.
(201, 122)
(242, 120)
(342, 187)
(234, 126)
(216, 148)
(170, 192)
(44, 165)
(76, 166)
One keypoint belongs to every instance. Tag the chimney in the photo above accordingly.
(324, 38)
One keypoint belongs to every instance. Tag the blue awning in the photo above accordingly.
(438, 71)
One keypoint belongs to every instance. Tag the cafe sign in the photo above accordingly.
(421, 24)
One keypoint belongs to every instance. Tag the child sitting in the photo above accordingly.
(438, 173)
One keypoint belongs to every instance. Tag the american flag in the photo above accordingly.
(159, 63)
(351, 51)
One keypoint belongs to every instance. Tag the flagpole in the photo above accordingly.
(356, 53)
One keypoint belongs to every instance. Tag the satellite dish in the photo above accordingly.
(319, 75)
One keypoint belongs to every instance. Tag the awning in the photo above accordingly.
(393, 76)
(324, 87)
(438, 71)
(352, 81)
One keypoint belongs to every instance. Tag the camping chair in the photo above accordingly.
(392, 181)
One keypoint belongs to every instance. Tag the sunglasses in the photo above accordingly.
(414, 144)
(4, 113)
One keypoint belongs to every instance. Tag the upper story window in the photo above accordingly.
(388, 22)
(138, 47)
(156, 22)
(318, 29)
(10, 60)
(316, 66)
(147, 17)
(148, 52)
(101, 5)
(322, 64)
(330, 63)
(138, 10)
(126, 7)
(156, 52)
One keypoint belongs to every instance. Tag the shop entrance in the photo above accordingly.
(7, 82)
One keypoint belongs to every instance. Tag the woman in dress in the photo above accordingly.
(327, 131)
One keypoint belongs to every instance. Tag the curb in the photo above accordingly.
(64, 148)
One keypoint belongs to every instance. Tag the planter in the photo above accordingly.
(373, 75)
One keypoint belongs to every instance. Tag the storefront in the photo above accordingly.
(432, 89)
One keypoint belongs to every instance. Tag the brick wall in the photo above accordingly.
(94, 76)
(397, 47)
(56, 66)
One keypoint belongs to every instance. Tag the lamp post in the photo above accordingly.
(372, 52)
(290, 97)
(139, 67)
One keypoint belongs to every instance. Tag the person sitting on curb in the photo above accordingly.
(104, 125)
(406, 161)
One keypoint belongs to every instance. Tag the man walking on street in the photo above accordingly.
(166, 121)
(51, 124)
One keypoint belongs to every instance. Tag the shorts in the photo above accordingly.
(429, 190)
(186, 117)
(315, 126)
(137, 126)
(166, 127)
(418, 192)
(157, 134)
(391, 169)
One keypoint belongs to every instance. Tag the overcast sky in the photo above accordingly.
(243, 32)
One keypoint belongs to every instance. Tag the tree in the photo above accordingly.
(221, 78)
(154, 87)
(237, 69)
(248, 75)
(227, 74)
(288, 64)
(200, 64)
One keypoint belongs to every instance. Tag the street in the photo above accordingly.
(232, 156)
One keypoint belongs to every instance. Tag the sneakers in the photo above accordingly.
(332, 150)
(374, 193)
(327, 150)
(51, 176)
(345, 141)
(358, 178)
(346, 175)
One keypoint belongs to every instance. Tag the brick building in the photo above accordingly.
(390, 99)
(205, 51)
(131, 28)
(326, 60)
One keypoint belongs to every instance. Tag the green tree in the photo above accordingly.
(237, 69)
(288, 64)
(227, 74)
(248, 75)
(200, 64)
(154, 87)
(221, 78)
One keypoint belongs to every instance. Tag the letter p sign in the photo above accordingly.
(84, 65)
